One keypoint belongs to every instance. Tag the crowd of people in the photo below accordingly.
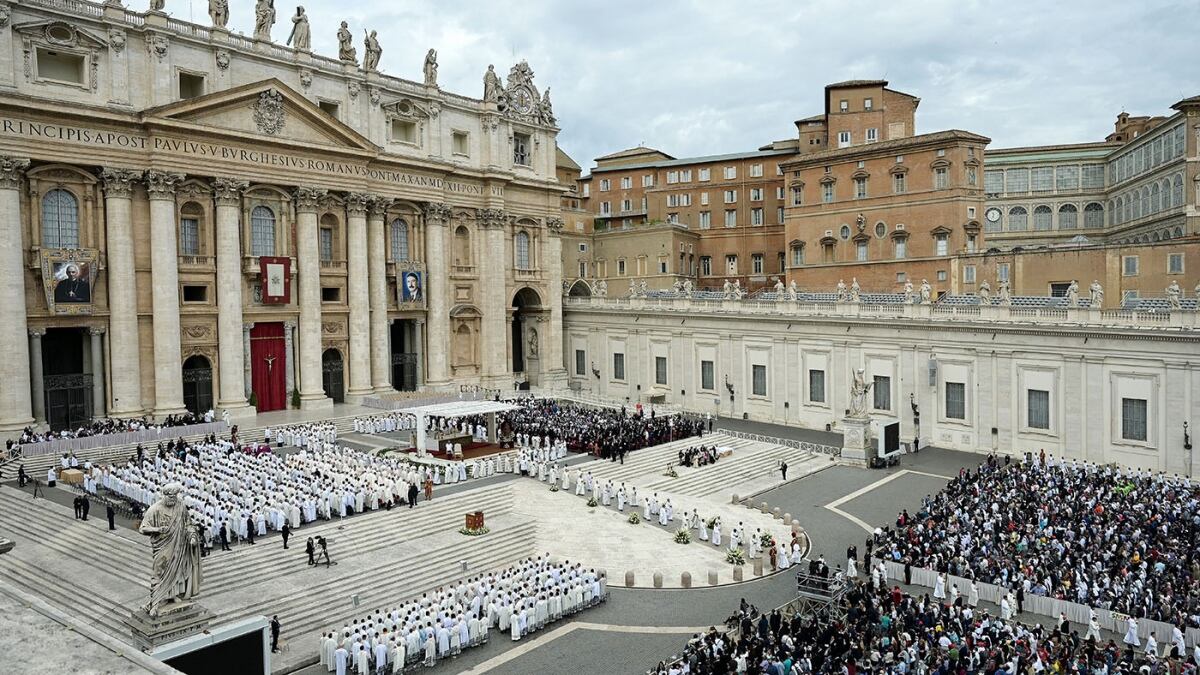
(1101, 536)
(701, 455)
(237, 493)
(609, 433)
(109, 425)
(890, 631)
(518, 600)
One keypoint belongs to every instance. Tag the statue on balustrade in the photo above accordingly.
(1097, 292)
(908, 292)
(855, 290)
(792, 292)
(985, 293)
(174, 551)
(157, 5)
(218, 11)
(1005, 293)
(687, 287)
(1174, 294)
(926, 292)
(841, 291)
(430, 68)
(779, 289)
(301, 36)
(1073, 294)
(346, 50)
(371, 52)
(264, 18)
(491, 85)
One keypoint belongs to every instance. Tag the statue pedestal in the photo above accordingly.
(175, 621)
(856, 440)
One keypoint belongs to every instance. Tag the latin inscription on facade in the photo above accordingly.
(100, 138)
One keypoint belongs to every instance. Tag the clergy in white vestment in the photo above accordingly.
(341, 659)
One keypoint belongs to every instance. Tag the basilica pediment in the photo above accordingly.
(269, 108)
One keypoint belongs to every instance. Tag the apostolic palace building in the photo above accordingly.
(193, 218)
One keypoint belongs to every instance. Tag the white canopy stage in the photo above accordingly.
(456, 409)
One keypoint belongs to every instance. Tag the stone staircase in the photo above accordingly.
(751, 460)
(652, 461)
(36, 466)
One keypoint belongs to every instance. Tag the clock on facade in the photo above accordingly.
(993, 215)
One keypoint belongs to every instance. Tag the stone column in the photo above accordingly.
(418, 328)
(249, 381)
(436, 217)
(97, 338)
(552, 365)
(492, 338)
(289, 350)
(36, 375)
(308, 268)
(381, 357)
(164, 261)
(232, 337)
(125, 372)
(16, 410)
(359, 297)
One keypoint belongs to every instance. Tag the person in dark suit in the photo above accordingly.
(85, 505)
(78, 507)
(275, 626)
(287, 532)
(112, 516)
(225, 537)
(412, 495)
(311, 549)
(74, 288)
(250, 529)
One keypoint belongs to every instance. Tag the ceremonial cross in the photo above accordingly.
(270, 362)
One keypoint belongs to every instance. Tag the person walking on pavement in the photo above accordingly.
(86, 505)
(112, 515)
(275, 626)
(224, 535)
(311, 549)
(783, 468)
(287, 532)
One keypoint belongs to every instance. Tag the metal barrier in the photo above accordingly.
(152, 435)
(808, 446)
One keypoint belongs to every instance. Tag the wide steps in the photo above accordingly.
(75, 600)
(730, 471)
(764, 469)
(357, 534)
(647, 461)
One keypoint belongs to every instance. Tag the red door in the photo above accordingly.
(268, 363)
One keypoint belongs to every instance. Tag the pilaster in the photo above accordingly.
(312, 392)
(359, 298)
(16, 410)
(125, 373)
(164, 261)
(232, 338)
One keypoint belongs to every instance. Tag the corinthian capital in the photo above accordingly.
(357, 203)
(491, 217)
(228, 191)
(118, 183)
(161, 184)
(380, 206)
(436, 213)
(11, 170)
(555, 224)
(307, 198)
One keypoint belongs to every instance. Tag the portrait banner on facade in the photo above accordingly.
(276, 274)
(69, 277)
(411, 289)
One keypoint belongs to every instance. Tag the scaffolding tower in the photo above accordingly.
(819, 599)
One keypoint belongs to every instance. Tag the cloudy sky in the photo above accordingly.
(707, 77)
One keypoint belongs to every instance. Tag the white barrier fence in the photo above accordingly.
(153, 435)
(819, 448)
(1050, 607)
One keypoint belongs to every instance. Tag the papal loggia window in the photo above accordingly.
(399, 240)
(521, 245)
(60, 220)
(262, 231)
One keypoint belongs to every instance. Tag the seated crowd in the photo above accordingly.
(236, 492)
(604, 432)
(1102, 536)
(110, 425)
(698, 456)
(890, 631)
(519, 600)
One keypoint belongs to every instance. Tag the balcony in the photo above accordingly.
(197, 262)
(527, 274)
(462, 270)
(333, 266)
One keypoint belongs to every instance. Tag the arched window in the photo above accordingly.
(60, 220)
(1018, 219)
(1177, 191)
(262, 231)
(190, 216)
(1068, 217)
(521, 246)
(1139, 204)
(1042, 217)
(1155, 199)
(327, 234)
(399, 240)
(462, 246)
(1126, 208)
(1093, 215)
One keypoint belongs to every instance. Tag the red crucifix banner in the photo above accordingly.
(276, 280)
